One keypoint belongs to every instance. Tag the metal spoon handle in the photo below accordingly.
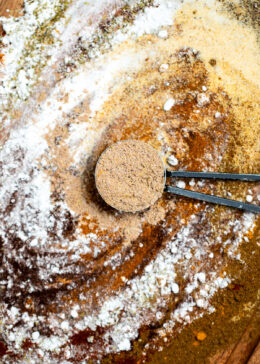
(213, 199)
(214, 175)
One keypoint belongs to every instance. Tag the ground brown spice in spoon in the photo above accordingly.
(130, 176)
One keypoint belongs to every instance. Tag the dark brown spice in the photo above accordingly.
(3, 349)
(212, 62)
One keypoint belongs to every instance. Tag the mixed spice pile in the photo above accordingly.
(129, 176)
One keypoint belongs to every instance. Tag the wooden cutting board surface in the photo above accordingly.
(246, 350)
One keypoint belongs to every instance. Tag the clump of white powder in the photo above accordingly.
(163, 67)
(168, 104)
(180, 184)
(172, 160)
(203, 99)
(163, 34)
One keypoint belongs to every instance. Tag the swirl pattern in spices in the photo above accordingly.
(79, 280)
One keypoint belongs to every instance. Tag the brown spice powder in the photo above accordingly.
(130, 176)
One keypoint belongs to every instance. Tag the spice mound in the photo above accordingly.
(130, 176)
